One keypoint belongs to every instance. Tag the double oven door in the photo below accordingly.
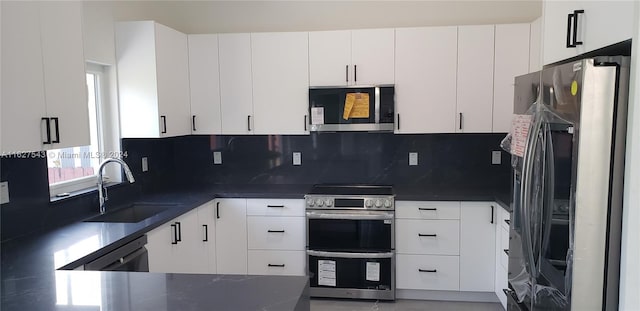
(350, 254)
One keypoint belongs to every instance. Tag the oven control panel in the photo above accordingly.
(331, 202)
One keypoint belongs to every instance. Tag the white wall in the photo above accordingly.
(630, 257)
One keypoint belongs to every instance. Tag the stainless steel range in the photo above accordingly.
(350, 241)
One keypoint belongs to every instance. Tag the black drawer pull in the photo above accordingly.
(179, 228)
(433, 235)
(275, 231)
(427, 208)
(272, 265)
(427, 270)
(506, 251)
(48, 129)
(507, 221)
(206, 233)
(174, 238)
(278, 206)
(57, 127)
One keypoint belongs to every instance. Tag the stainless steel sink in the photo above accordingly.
(133, 213)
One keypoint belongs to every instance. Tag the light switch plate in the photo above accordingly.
(145, 164)
(496, 157)
(4, 192)
(217, 157)
(297, 158)
(413, 158)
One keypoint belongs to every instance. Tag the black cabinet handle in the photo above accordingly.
(575, 27)
(272, 265)
(355, 73)
(218, 210)
(492, 212)
(398, 121)
(569, 19)
(506, 251)
(433, 235)
(48, 129)
(346, 73)
(249, 123)
(278, 206)
(507, 221)
(193, 122)
(427, 208)
(427, 270)
(460, 117)
(164, 124)
(275, 231)
(305, 122)
(174, 238)
(57, 127)
(206, 233)
(179, 229)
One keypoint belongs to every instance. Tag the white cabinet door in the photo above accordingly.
(433, 237)
(65, 82)
(554, 30)
(23, 103)
(191, 255)
(160, 248)
(280, 67)
(477, 246)
(275, 207)
(207, 223)
(511, 60)
(475, 78)
(204, 81)
(425, 78)
(372, 56)
(172, 61)
(427, 272)
(236, 98)
(276, 233)
(330, 58)
(231, 236)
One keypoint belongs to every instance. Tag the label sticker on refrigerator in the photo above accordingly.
(577, 66)
(519, 133)
(317, 115)
(327, 272)
(574, 88)
(373, 271)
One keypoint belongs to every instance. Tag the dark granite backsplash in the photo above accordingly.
(445, 161)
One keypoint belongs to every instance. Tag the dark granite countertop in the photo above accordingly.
(29, 264)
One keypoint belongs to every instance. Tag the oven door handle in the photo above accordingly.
(370, 216)
(349, 255)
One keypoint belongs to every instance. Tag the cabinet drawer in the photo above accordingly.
(427, 237)
(275, 207)
(427, 210)
(276, 233)
(504, 244)
(276, 262)
(428, 272)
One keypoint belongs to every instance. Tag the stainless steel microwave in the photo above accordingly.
(352, 108)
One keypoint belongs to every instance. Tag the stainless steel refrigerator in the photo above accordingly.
(564, 248)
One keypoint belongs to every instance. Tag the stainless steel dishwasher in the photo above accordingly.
(132, 256)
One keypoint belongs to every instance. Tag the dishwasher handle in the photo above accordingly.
(124, 261)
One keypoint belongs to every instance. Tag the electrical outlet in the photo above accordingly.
(496, 157)
(217, 157)
(413, 158)
(145, 164)
(297, 158)
(4, 192)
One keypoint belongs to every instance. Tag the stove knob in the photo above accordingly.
(378, 203)
(319, 202)
(328, 202)
(387, 203)
(310, 202)
(368, 203)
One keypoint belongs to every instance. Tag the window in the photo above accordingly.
(75, 168)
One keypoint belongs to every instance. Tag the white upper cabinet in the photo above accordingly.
(511, 60)
(372, 56)
(236, 98)
(43, 76)
(351, 57)
(475, 79)
(153, 80)
(329, 58)
(425, 76)
(279, 63)
(205, 84)
(599, 24)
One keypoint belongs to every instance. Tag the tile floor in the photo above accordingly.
(318, 304)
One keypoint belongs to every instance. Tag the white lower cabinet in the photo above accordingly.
(427, 272)
(262, 262)
(502, 258)
(276, 233)
(477, 246)
(231, 236)
(434, 237)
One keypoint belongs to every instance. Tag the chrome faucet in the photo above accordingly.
(102, 192)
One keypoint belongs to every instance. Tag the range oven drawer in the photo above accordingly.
(364, 271)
